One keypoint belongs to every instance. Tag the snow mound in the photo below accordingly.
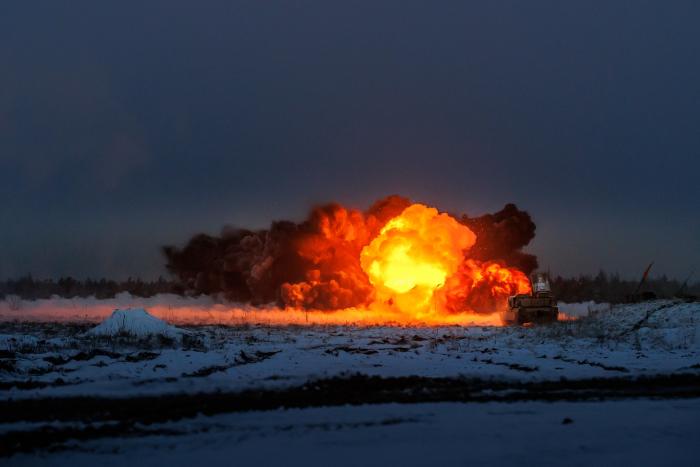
(135, 322)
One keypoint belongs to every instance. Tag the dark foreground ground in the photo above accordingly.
(57, 424)
(639, 432)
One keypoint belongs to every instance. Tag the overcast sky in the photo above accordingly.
(128, 125)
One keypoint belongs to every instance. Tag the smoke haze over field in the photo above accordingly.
(125, 127)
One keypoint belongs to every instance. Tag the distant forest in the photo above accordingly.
(29, 288)
(611, 288)
(602, 287)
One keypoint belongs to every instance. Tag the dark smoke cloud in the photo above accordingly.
(502, 236)
(316, 264)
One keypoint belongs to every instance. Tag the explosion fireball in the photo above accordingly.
(413, 256)
(398, 261)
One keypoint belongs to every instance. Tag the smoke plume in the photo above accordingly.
(502, 236)
(315, 264)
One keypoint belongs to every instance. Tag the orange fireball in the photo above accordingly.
(417, 266)
(396, 262)
(413, 256)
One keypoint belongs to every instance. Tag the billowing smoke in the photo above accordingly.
(315, 264)
(502, 236)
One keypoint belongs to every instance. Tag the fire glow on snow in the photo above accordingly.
(205, 310)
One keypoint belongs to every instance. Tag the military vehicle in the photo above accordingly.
(537, 307)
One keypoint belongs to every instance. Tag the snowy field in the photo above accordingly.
(46, 360)
(639, 432)
(624, 355)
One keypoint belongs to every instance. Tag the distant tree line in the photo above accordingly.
(29, 288)
(602, 287)
(605, 287)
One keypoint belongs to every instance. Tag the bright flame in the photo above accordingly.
(413, 256)
(415, 268)
(418, 269)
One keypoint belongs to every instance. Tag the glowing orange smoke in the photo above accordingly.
(413, 256)
(396, 262)
(418, 269)
(482, 287)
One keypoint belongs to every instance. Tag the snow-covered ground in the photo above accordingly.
(632, 432)
(67, 360)
(133, 355)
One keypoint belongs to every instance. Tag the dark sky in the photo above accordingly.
(128, 125)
